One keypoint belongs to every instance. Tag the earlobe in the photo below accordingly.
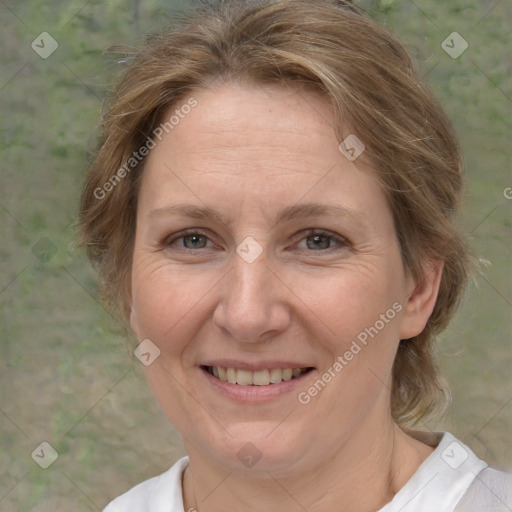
(133, 322)
(421, 301)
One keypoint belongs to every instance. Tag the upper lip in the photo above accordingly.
(254, 366)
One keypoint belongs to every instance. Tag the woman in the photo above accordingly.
(272, 211)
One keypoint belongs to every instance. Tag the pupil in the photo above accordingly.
(195, 241)
(320, 242)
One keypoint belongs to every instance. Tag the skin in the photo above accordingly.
(248, 152)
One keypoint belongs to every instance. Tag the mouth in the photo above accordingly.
(262, 377)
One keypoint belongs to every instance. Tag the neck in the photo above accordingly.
(384, 456)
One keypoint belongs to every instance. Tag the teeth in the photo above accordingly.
(276, 375)
(231, 375)
(261, 378)
(287, 374)
(258, 378)
(243, 377)
(222, 373)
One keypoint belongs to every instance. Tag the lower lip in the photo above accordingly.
(255, 394)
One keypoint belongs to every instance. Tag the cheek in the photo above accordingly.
(167, 307)
(162, 295)
(352, 300)
(163, 302)
(360, 316)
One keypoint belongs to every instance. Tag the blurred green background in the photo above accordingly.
(67, 375)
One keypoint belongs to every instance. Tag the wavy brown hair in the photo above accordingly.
(339, 51)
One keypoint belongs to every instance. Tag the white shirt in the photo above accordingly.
(451, 479)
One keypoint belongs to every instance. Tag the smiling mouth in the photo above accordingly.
(263, 377)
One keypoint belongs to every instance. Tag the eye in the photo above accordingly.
(190, 240)
(319, 240)
(312, 240)
(196, 241)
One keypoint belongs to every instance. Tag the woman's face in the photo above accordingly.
(262, 249)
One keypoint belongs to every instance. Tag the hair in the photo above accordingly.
(336, 49)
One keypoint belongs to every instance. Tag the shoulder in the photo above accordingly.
(161, 493)
(490, 491)
(451, 479)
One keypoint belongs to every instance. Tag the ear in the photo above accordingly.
(421, 301)
(134, 322)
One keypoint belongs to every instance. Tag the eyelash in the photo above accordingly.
(340, 241)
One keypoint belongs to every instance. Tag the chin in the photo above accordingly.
(256, 447)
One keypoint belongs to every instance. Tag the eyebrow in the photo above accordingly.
(289, 213)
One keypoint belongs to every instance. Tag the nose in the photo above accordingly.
(252, 307)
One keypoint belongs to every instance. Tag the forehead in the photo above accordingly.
(244, 144)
